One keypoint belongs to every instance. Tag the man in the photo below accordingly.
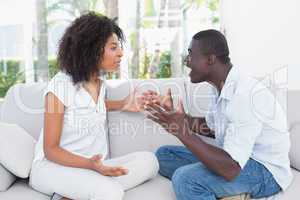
(248, 125)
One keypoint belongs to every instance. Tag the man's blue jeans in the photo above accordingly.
(193, 181)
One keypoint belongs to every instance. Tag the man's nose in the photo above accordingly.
(187, 61)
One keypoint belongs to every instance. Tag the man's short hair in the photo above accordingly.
(213, 42)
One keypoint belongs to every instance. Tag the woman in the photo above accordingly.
(70, 154)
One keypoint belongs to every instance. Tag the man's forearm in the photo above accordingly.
(214, 158)
(198, 125)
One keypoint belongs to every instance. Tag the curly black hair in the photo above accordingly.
(81, 47)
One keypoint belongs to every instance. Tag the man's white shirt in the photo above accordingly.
(250, 123)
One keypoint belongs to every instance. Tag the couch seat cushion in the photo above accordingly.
(158, 188)
(6, 179)
(21, 190)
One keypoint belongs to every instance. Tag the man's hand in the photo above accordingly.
(175, 122)
(97, 165)
(151, 97)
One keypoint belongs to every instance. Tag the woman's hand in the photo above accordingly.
(133, 102)
(152, 97)
(97, 165)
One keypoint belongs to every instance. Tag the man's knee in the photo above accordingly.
(162, 152)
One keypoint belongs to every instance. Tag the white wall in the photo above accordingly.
(0, 107)
(264, 37)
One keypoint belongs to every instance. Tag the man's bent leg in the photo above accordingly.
(171, 157)
(196, 182)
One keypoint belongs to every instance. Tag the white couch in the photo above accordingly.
(130, 132)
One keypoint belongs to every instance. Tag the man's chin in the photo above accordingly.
(193, 80)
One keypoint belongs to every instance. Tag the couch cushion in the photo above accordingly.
(21, 190)
(119, 89)
(292, 192)
(195, 97)
(129, 132)
(158, 188)
(294, 123)
(24, 105)
(295, 147)
(6, 179)
(292, 105)
(17, 158)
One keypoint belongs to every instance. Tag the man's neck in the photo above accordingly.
(219, 76)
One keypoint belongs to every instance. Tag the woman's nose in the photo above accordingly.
(121, 52)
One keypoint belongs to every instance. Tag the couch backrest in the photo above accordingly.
(129, 132)
(23, 105)
(133, 131)
(294, 123)
(195, 97)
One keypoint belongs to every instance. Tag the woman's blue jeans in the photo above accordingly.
(193, 181)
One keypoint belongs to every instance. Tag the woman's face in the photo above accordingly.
(113, 53)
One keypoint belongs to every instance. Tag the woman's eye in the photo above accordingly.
(114, 48)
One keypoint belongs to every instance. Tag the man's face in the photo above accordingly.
(197, 62)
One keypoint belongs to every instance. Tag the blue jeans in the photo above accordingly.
(193, 181)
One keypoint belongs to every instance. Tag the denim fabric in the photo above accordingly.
(193, 181)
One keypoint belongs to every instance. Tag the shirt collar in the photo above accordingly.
(230, 84)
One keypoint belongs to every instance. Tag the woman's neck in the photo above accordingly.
(94, 79)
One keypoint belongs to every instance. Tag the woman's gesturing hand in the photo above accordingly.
(152, 97)
(97, 165)
(133, 102)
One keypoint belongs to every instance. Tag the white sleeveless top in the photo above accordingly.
(84, 130)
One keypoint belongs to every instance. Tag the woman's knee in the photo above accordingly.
(150, 161)
(115, 192)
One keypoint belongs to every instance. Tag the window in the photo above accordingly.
(157, 34)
